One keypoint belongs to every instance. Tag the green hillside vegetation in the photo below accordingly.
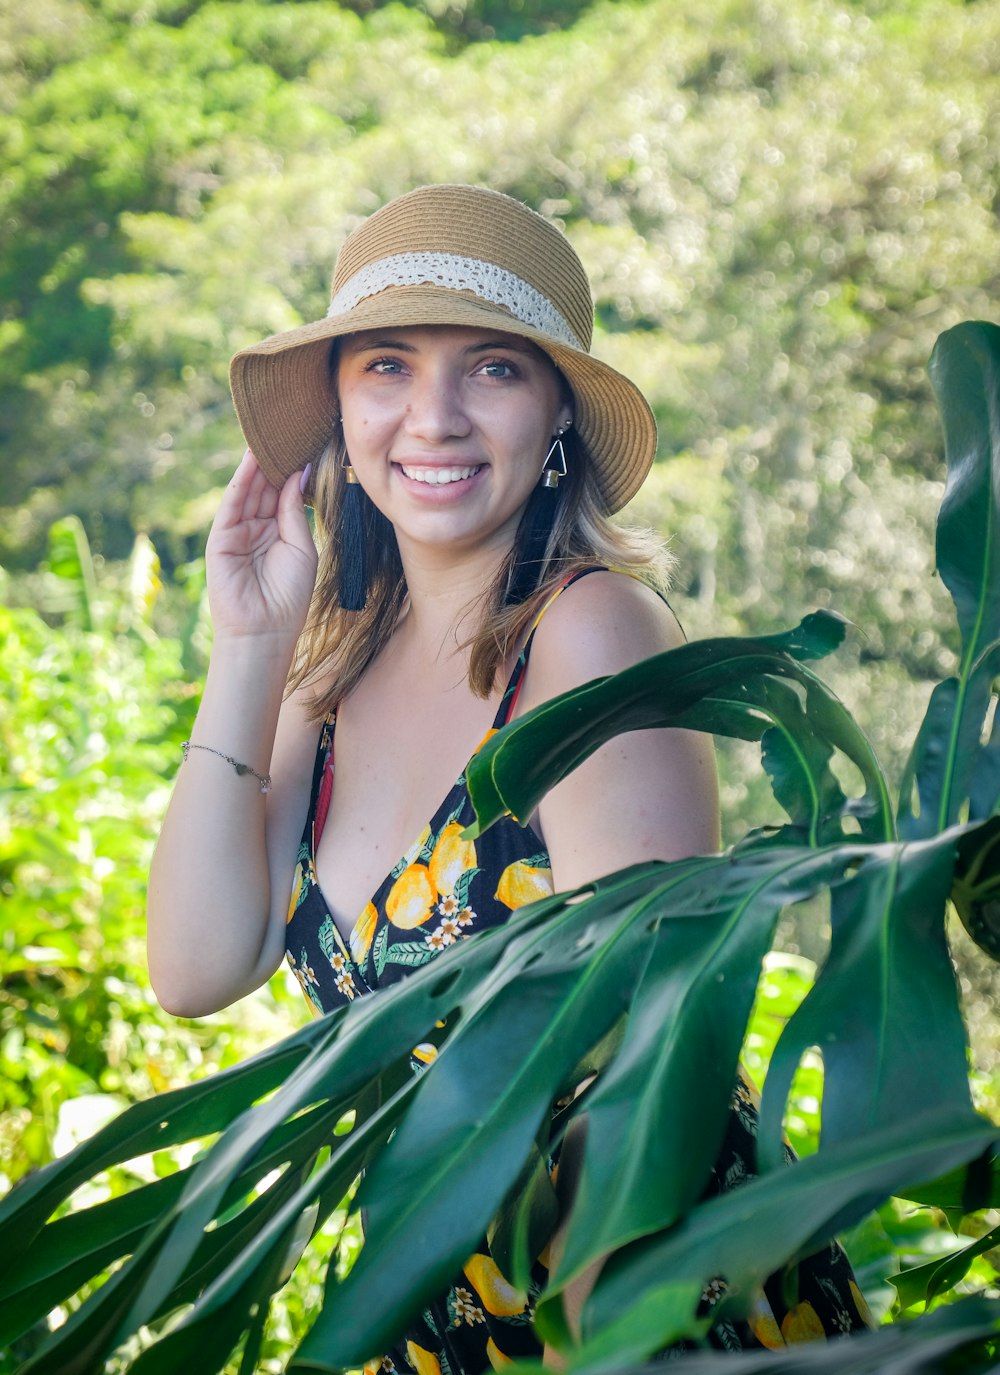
(781, 204)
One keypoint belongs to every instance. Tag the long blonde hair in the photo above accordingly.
(336, 646)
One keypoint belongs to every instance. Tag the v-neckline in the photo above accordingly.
(504, 713)
(405, 858)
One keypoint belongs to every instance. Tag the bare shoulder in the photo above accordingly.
(600, 624)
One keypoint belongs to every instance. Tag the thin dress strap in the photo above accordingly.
(513, 692)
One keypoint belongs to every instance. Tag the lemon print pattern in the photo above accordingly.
(363, 933)
(453, 857)
(498, 1295)
(442, 891)
(411, 898)
(524, 881)
(496, 1357)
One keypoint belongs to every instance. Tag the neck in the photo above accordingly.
(446, 595)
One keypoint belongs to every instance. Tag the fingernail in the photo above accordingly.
(247, 453)
(304, 479)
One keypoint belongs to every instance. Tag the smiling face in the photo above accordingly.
(447, 429)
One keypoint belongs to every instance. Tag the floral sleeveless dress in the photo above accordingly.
(443, 890)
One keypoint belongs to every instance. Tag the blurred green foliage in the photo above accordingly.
(91, 715)
(781, 203)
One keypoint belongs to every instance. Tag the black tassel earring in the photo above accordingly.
(536, 525)
(352, 541)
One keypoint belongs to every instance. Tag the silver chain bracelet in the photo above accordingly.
(264, 779)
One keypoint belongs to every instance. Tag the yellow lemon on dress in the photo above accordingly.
(861, 1304)
(497, 1293)
(451, 858)
(423, 1362)
(364, 929)
(496, 1357)
(411, 897)
(763, 1324)
(522, 883)
(417, 845)
(300, 878)
(802, 1324)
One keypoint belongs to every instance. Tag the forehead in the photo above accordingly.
(451, 338)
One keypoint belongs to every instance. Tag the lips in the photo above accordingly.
(439, 477)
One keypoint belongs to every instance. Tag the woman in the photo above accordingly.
(463, 452)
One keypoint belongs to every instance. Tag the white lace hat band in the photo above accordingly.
(458, 273)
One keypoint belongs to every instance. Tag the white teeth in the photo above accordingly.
(436, 476)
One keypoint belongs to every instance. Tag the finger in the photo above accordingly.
(293, 526)
(234, 498)
(259, 496)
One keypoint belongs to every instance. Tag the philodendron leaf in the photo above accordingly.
(169, 1119)
(884, 1010)
(246, 1280)
(966, 1190)
(73, 1248)
(976, 889)
(648, 1295)
(960, 1337)
(922, 1283)
(333, 1061)
(965, 372)
(656, 1117)
(708, 685)
(561, 986)
(797, 759)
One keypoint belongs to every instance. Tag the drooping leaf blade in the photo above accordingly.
(517, 766)
(884, 1010)
(965, 374)
(648, 1295)
(643, 1167)
(922, 1283)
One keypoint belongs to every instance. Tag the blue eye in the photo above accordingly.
(500, 368)
(384, 366)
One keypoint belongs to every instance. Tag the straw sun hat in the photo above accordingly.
(448, 255)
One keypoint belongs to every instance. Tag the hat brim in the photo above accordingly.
(286, 402)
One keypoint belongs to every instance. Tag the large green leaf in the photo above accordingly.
(884, 1010)
(242, 1285)
(648, 1295)
(655, 1118)
(922, 1283)
(559, 989)
(961, 1338)
(72, 1249)
(965, 372)
(169, 1119)
(335, 1060)
(515, 769)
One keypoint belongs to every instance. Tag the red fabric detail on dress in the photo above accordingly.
(323, 800)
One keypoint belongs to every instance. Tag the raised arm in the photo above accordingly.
(222, 867)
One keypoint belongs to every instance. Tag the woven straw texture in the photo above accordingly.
(283, 389)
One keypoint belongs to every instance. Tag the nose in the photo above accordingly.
(434, 411)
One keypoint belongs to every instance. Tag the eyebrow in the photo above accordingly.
(512, 343)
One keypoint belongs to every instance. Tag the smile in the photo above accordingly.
(436, 477)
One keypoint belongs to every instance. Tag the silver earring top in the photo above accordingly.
(552, 476)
